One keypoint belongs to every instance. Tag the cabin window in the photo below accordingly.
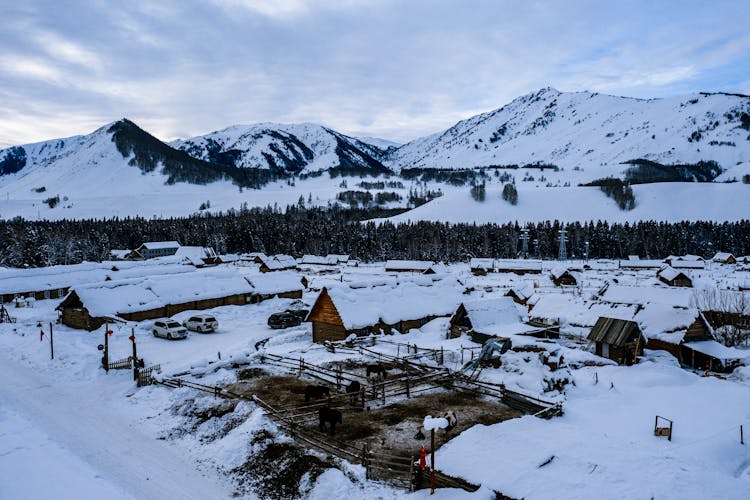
(60, 293)
(46, 294)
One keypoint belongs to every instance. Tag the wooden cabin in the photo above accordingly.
(520, 295)
(674, 342)
(672, 277)
(563, 277)
(277, 263)
(481, 266)
(617, 339)
(724, 258)
(408, 266)
(342, 310)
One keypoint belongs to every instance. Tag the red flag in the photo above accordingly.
(41, 335)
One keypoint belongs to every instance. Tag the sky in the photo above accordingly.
(392, 69)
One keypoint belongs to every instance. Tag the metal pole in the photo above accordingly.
(106, 347)
(135, 355)
(51, 343)
(742, 437)
(432, 462)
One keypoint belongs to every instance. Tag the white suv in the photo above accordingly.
(169, 329)
(201, 323)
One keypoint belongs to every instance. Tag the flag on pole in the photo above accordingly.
(41, 334)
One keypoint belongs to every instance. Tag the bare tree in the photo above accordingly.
(728, 311)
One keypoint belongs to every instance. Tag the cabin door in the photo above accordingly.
(605, 350)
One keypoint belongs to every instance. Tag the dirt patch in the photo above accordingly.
(279, 391)
(251, 373)
(276, 470)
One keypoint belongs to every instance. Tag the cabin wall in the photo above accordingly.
(80, 319)
(327, 331)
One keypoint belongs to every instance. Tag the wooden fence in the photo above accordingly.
(121, 364)
(146, 375)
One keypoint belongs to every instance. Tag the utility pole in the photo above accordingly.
(562, 253)
(586, 243)
(536, 247)
(525, 243)
(135, 355)
(105, 358)
(51, 343)
(432, 462)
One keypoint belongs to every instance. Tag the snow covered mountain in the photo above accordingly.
(291, 148)
(590, 131)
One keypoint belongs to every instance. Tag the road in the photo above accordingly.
(80, 419)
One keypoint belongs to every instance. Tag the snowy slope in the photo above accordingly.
(292, 148)
(591, 131)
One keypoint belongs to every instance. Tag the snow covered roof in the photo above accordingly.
(119, 253)
(497, 316)
(717, 350)
(319, 260)
(622, 294)
(272, 283)
(664, 322)
(688, 264)
(669, 273)
(195, 255)
(109, 298)
(408, 265)
(641, 264)
(522, 291)
(156, 245)
(558, 271)
(279, 261)
(394, 302)
(482, 263)
(342, 258)
(722, 257)
(519, 264)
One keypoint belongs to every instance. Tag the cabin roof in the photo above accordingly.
(156, 245)
(497, 316)
(613, 331)
(407, 265)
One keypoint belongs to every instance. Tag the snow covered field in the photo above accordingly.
(67, 426)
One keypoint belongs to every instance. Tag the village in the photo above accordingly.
(341, 365)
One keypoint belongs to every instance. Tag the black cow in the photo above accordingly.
(376, 369)
(330, 416)
(353, 391)
(316, 392)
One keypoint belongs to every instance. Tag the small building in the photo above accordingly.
(635, 263)
(89, 306)
(672, 277)
(520, 294)
(561, 276)
(318, 260)
(339, 258)
(518, 266)
(152, 249)
(481, 266)
(277, 263)
(408, 266)
(483, 319)
(381, 307)
(198, 256)
(724, 258)
(686, 262)
(287, 285)
(620, 340)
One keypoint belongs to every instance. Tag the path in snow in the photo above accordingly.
(78, 419)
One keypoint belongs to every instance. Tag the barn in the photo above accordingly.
(672, 277)
(561, 276)
(483, 319)
(381, 307)
(617, 339)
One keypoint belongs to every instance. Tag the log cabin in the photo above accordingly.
(672, 277)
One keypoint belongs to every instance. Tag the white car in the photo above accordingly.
(202, 323)
(169, 329)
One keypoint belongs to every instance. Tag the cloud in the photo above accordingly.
(378, 68)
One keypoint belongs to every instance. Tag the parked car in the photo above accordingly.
(300, 313)
(283, 320)
(202, 323)
(169, 329)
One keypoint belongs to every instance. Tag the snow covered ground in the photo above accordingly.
(94, 434)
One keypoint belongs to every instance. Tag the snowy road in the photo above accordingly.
(77, 419)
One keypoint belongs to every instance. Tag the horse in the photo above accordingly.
(330, 416)
(316, 392)
(377, 369)
(353, 391)
(450, 416)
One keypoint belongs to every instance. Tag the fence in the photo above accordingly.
(146, 375)
(121, 364)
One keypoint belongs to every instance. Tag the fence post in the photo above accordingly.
(442, 359)
(742, 437)
(383, 386)
(407, 387)
(362, 395)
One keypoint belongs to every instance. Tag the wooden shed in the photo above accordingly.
(277, 263)
(672, 277)
(483, 319)
(724, 258)
(75, 314)
(520, 295)
(481, 266)
(562, 276)
(620, 340)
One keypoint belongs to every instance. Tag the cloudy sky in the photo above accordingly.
(392, 69)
